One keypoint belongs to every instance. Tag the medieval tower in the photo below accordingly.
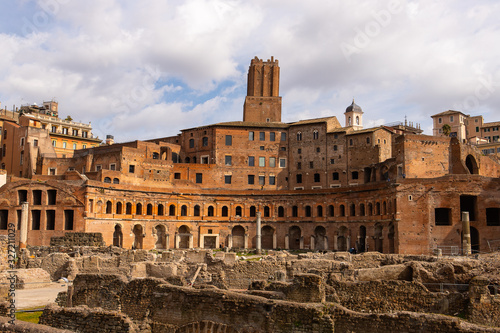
(263, 103)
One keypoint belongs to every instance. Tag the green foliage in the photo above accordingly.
(31, 317)
(446, 129)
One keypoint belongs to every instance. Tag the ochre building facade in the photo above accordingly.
(315, 184)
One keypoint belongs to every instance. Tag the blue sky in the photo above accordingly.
(145, 69)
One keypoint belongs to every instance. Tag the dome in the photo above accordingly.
(354, 108)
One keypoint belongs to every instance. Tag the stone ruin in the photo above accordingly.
(117, 290)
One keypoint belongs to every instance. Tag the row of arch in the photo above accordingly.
(369, 209)
(344, 238)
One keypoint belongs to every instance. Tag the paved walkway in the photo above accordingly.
(29, 298)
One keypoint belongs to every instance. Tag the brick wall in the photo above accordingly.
(78, 239)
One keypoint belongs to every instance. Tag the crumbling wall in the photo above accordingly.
(23, 327)
(78, 239)
(389, 296)
(85, 320)
(99, 290)
(483, 308)
(4, 253)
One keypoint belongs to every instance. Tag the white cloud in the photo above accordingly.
(123, 64)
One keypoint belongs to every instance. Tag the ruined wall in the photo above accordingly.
(4, 252)
(390, 296)
(84, 320)
(23, 327)
(78, 239)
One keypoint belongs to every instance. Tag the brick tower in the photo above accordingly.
(262, 103)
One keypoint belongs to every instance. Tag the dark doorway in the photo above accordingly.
(294, 235)
(468, 203)
(267, 237)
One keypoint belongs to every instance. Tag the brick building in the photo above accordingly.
(317, 185)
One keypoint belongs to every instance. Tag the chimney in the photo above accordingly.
(110, 140)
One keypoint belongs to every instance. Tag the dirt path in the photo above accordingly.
(29, 298)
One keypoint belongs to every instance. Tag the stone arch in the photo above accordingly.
(267, 237)
(238, 234)
(119, 206)
(184, 234)
(342, 239)
(160, 232)
(471, 164)
(294, 237)
(138, 236)
(320, 238)
(206, 326)
(378, 236)
(390, 236)
(118, 236)
(109, 207)
(362, 239)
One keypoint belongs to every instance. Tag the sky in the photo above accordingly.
(147, 69)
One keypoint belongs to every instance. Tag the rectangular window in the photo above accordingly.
(51, 197)
(52, 171)
(22, 195)
(477, 129)
(272, 180)
(493, 216)
(262, 180)
(4, 219)
(98, 167)
(84, 146)
(228, 159)
(199, 178)
(250, 136)
(74, 145)
(131, 168)
(177, 175)
(299, 178)
(68, 219)
(35, 143)
(54, 142)
(262, 136)
(451, 119)
(227, 179)
(251, 161)
(335, 176)
(65, 130)
(332, 161)
(64, 144)
(299, 165)
(283, 136)
(75, 132)
(229, 140)
(35, 219)
(282, 162)
(272, 136)
(272, 162)
(22, 141)
(50, 219)
(112, 166)
(442, 216)
(54, 129)
(262, 161)
(37, 197)
(251, 179)
(311, 165)
(85, 134)
(21, 158)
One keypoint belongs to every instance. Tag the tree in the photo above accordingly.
(446, 129)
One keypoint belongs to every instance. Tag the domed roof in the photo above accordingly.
(354, 108)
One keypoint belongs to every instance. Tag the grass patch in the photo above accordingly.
(31, 317)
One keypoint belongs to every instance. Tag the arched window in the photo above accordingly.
(196, 210)
(362, 209)
(107, 180)
(331, 210)
(357, 120)
(377, 208)
(353, 210)
(225, 211)
(295, 211)
(308, 211)
(281, 211)
(349, 121)
(342, 210)
(156, 156)
(204, 141)
(184, 210)
(384, 208)
(191, 143)
(116, 181)
(315, 134)
(109, 207)
(253, 211)
(319, 211)
(237, 211)
(171, 210)
(128, 208)
(368, 139)
(370, 209)
(210, 211)
(267, 212)
(160, 210)
(188, 160)
(118, 208)
(138, 209)
(149, 209)
(299, 136)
